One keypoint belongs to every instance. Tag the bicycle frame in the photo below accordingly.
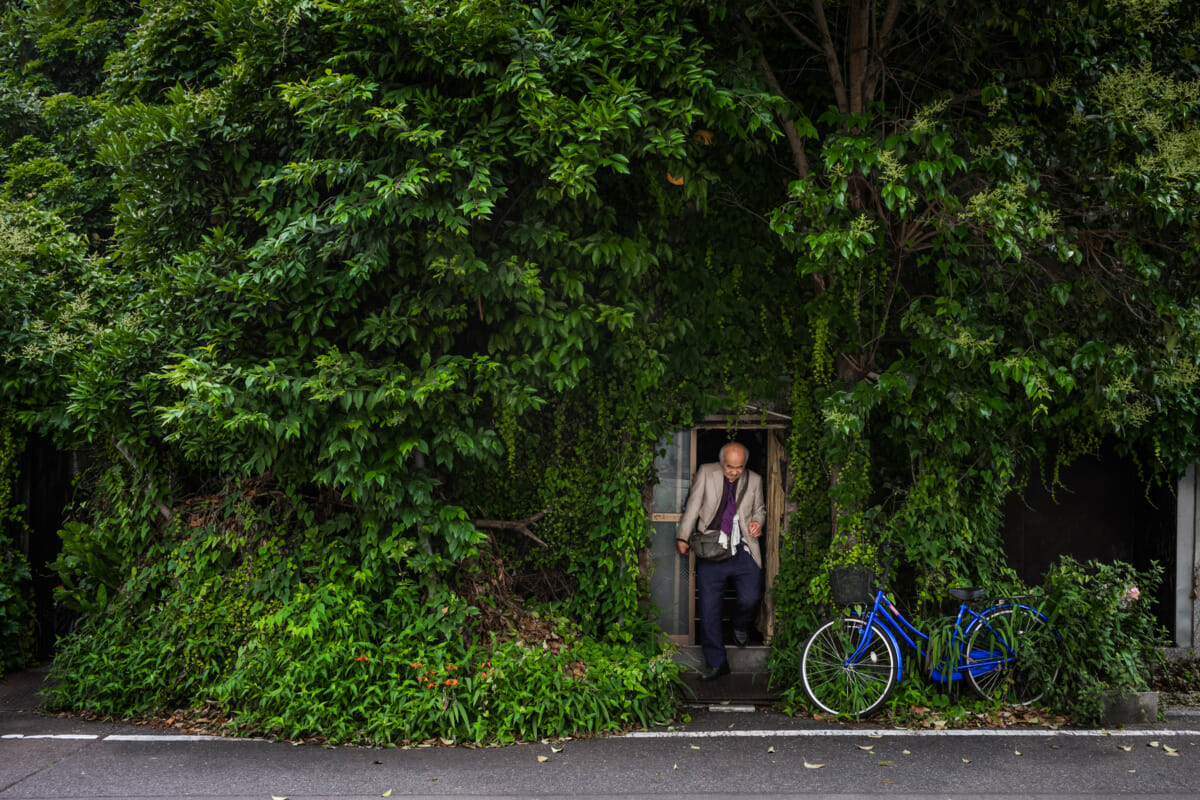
(891, 622)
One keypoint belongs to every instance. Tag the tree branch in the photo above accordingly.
(521, 526)
(795, 31)
(148, 491)
(857, 42)
(883, 42)
(789, 127)
(831, 59)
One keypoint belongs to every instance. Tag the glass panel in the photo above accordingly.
(674, 474)
(669, 584)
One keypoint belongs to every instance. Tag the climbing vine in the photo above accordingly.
(16, 602)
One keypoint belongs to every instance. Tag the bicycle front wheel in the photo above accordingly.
(837, 685)
(993, 656)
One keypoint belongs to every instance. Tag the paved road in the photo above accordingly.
(719, 754)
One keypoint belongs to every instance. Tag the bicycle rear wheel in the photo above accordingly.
(993, 656)
(855, 689)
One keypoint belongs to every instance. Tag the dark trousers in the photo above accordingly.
(711, 577)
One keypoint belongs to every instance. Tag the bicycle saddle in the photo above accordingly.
(967, 593)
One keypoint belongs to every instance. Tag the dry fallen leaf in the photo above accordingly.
(874, 735)
(886, 764)
(906, 752)
(867, 747)
(770, 749)
(813, 766)
(1152, 744)
(1125, 747)
(1169, 751)
(555, 749)
(543, 759)
(278, 797)
(966, 761)
(695, 747)
(388, 793)
(675, 767)
(1016, 752)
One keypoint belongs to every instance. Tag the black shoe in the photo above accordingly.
(712, 673)
(741, 638)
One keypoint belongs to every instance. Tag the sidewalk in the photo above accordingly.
(20, 716)
(19, 691)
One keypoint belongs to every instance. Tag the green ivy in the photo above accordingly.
(302, 632)
(16, 610)
(1104, 638)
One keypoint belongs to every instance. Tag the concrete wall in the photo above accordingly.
(1187, 569)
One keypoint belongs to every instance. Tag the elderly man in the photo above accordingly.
(729, 498)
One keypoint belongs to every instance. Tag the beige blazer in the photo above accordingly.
(705, 498)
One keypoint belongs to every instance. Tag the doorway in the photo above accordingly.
(672, 583)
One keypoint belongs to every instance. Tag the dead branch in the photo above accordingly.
(521, 526)
(148, 490)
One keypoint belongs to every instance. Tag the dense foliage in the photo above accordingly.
(369, 315)
(1102, 635)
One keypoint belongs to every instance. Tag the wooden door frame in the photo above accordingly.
(776, 500)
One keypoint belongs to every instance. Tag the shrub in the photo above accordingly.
(293, 636)
(16, 611)
(1109, 637)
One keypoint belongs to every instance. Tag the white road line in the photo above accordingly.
(862, 733)
(128, 737)
(167, 737)
(877, 734)
(76, 736)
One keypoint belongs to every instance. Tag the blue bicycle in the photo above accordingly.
(851, 664)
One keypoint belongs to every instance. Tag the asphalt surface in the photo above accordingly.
(720, 753)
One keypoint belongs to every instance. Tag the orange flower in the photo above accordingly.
(451, 666)
(451, 682)
(363, 658)
(416, 665)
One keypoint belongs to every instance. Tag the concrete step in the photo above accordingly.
(747, 681)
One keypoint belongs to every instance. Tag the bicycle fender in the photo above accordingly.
(896, 647)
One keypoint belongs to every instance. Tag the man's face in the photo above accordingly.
(734, 463)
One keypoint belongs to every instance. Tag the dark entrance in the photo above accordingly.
(708, 450)
(1103, 511)
(43, 489)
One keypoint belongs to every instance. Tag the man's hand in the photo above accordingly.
(682, 546)
(755, 529)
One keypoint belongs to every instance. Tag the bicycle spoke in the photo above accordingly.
(837, 686)
(992, 658)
